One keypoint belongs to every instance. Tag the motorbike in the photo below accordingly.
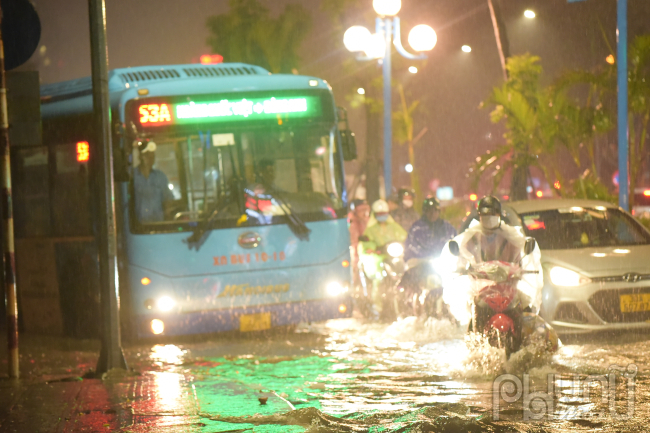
(419, 292)
(498, 310)
(387, 270)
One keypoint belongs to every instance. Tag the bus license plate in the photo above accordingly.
(254, 322)
(635, 303)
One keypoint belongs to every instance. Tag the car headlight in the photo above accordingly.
(566, 278)
(395, 249)
(335, 289)
(165, 303)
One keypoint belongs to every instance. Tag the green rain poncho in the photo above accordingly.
(378, 235)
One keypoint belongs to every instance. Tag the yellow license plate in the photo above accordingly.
(635, 303)
(254, 322)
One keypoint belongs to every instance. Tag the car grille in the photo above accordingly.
(607, 304)
(627, 278)
(568, 312)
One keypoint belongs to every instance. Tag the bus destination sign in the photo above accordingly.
(227, 110)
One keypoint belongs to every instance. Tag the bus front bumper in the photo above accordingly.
(253, 318)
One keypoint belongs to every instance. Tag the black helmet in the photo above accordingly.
(357, 202)
(405, 191)
(430, 203)
(489, 205)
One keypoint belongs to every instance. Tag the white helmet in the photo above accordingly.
(380, 206)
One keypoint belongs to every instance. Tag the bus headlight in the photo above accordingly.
(335, 289)
(165, 303)
(395, 249)
(157, 326)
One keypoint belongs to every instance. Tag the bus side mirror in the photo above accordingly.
(454, 248)
(349, 145)
(529, 246)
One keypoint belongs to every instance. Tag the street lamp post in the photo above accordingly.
(377, 46)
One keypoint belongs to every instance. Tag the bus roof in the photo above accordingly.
(75, 96)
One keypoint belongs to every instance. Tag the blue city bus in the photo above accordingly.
(241, 223)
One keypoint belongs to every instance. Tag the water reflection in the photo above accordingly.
(169, 392)
(354, 370)
(167, 354)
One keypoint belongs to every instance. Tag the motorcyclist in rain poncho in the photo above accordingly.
(487, 241)
(381, 231)
(405, 214)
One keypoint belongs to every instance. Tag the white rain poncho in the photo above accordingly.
(476, 246)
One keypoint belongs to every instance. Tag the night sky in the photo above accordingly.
(451, 83)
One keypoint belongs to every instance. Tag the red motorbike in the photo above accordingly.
(497, 309)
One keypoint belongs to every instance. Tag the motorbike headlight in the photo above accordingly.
(566, 278)
(395, 249)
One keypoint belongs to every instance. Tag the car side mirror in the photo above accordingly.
(454, 248)
(349, 145)
(529, 246)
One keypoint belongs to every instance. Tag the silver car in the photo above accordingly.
(596, 260)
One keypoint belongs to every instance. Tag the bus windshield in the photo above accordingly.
(225, 173)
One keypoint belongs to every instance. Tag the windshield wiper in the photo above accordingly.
(197, 238)
(296, 225)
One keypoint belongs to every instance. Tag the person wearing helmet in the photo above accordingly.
(429, 234)
(425, 241)
(405, 215)
(381, 231)
(382, 228)
(491, 240)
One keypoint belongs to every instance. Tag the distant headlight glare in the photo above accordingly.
(395, 249)
(566, 278)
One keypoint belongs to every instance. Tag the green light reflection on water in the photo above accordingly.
(232, 388)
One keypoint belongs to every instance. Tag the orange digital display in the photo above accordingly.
(83, 151)
(156, 114)
(209, 59)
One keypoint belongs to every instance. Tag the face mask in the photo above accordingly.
(408, 203)
(382, 218)
(491, 222)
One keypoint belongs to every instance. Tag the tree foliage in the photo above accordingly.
(248, 34)
(539, 122)
(602, 83)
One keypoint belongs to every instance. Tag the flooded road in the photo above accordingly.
(351, 375)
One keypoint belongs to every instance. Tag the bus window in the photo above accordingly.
(70, 193)
(283, 170)
(296, 170)
(155, 176)
(31, 192)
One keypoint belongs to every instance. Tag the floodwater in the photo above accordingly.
(411, 376)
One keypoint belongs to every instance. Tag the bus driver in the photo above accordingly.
(153, 199)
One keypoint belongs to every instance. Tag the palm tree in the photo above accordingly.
(602, 97)
(539, 121)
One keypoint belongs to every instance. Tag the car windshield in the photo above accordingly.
(222, 174)
(583, 227)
